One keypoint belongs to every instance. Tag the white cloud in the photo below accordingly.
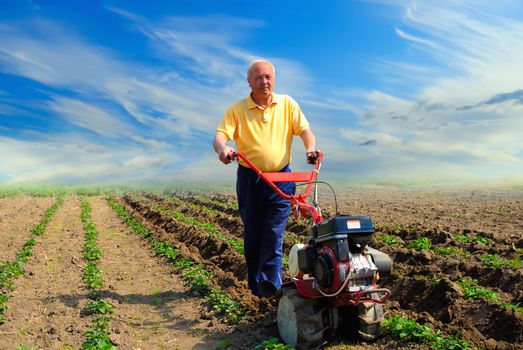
(76, 158)
(444, 128)
(165, 111)
(428, 118)
(89, 117)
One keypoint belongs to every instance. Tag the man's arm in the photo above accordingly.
(220, 146)
(309, 141)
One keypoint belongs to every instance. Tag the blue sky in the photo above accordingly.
(132, 91)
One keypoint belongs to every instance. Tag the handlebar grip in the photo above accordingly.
(313, 156)
(231, 155)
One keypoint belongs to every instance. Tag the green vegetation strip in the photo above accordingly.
(424, 243)
(218, 203)
(273, 344)
(406, 329)
(471, 290)
(207, 227)
(97, 337)
(494, 260)
(9, 270)
(194, 275)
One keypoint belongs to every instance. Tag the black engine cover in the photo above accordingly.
(359, 229)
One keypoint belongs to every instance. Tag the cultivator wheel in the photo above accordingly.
(300, 321)
(370, 319)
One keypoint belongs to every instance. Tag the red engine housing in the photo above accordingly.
(328, 271)
(329, 276)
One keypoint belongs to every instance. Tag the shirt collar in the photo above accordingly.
(251, 104)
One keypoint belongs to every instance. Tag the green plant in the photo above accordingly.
(515, 263)
(462, 238)
(39, 229)
(492, 260)
(225, 344)
(26, 347)
(9, 270)
(222, 303)
(285, 262)
(100, 307)
(164, 249)
(93, 277)
(272, 344)
(407, 329)
(465, 239)
(97, 337)
(480, 239)
(183, 264)
(197, 278)
(512, 307)
(3, 299)
(91, 251)
(421, 243)
(389, 239)
(450, 251)
(472, 291)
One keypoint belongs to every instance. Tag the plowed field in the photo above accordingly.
(172, 267)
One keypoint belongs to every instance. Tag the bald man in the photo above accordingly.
(263, 126)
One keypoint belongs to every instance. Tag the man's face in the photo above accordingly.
(261, 79)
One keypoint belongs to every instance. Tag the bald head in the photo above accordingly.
(257, 63)
(260, 77)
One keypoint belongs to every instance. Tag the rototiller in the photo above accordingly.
(334, 287)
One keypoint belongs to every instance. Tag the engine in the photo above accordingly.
(338, 256)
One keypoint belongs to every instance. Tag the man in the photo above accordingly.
(263, 126)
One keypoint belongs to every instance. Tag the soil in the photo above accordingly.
(17, 218)
(155, 309)
(45, 308)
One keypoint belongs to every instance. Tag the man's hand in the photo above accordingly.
(220, 146)
(224, 154)
(312, 156)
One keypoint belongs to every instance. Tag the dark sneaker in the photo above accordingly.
(267, 289)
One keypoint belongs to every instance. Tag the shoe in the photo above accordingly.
(267, 289)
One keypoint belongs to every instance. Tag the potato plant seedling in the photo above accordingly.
(9, 270)
(207, 227)
(97, 337)
(406, 329)
(195, 275)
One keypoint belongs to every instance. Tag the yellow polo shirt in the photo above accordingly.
(264, 135)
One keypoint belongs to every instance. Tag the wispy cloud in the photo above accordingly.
(449, 106)
(141, 113)
(89, 117)
(461, 118)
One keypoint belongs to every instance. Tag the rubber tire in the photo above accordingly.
(370, 318)
(300, 321)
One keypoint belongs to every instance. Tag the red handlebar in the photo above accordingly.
(298, 202)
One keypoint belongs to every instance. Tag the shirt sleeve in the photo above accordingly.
(299, 121)
(228, 125)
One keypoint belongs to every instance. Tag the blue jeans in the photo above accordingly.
(264, 214)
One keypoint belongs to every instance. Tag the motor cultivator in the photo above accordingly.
(334, 287)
